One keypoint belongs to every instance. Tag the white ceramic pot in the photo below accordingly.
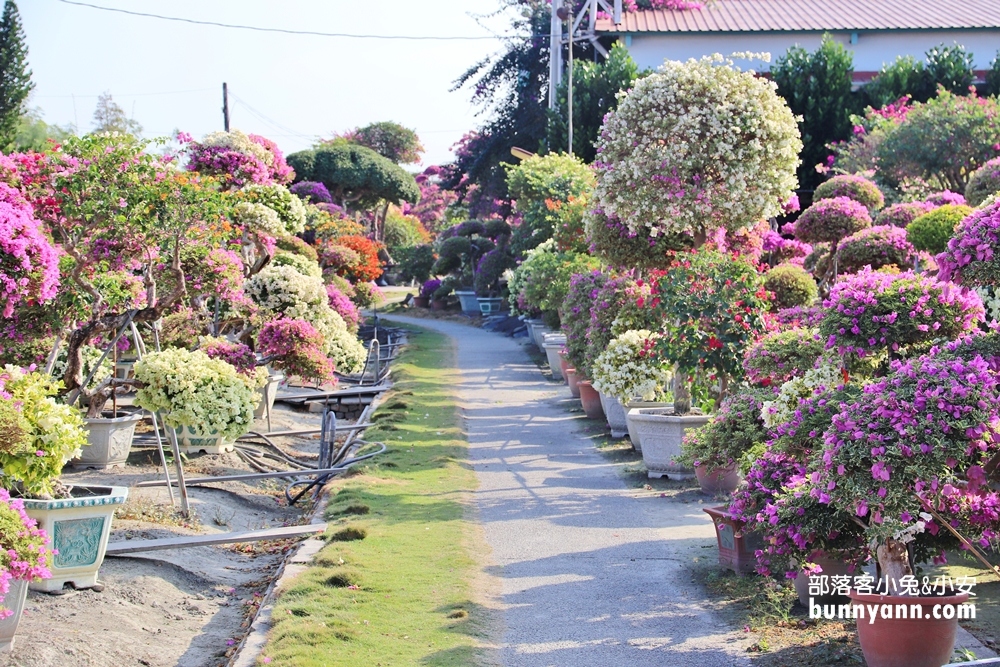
(469, 301)
(615, 413)
(554, 343)
(633, 434)
(110, 441)
(194, 441)
(13, 600)
(79, 528)
(538, 331)
(661, 432)
(267, 395)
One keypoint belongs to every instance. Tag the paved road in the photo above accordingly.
(591, 572)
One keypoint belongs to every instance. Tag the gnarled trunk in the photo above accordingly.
(894, 561)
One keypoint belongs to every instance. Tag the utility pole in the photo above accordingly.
(225, 106)
(570, 82)
(555, 54)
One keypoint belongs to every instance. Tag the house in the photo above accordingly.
(875, 31)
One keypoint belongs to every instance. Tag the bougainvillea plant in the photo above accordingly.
(852, 186)
(735, 428)
(629, 368)
(972, 257)
(24, 548)
(29, 265)
(295, 347)
(712, 307)
(983, 182)
(369, 266)
(583, 290)
(902, 214)
(922, 434)
(694, 147)
(780, 355)
(830, 220)
(872, 313)
(875, 247)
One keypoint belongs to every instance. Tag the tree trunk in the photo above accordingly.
(682, 396)
(894, 561)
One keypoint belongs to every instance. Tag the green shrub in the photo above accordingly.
(416, 263)
(932, 231)
(875, 247)
(791, 286)
(983, 182)
(295, 245)
(852, 186)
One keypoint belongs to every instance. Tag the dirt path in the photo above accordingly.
(590, 572)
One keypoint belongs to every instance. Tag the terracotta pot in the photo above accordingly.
(591, 400)
(737, 548)
(438, 304)
(572, 380)
(717, 480)
(563, 367)
(422, 301)
(910, 642)
(830, 566)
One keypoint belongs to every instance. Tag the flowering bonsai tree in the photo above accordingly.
(629, 368)
(237, 159)
(828, 221)
(735, 428)
(694, 147)
(875, 247)
(551, 193)
(712, 307)
(48, 434)
(780, 355)
(917, 439)
(24, 552)
(852, 186)
(983, 182)
(871, 313)
(903, 213)
(295, 347)
(237, 355)
(29, 265)
(583, 289)
(973, 254)
(193, 389)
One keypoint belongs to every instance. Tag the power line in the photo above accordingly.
(315, 33)
(266, 119)
(172, 92)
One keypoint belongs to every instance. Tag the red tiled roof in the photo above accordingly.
(813, 16)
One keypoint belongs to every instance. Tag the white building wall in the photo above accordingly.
(871, 50)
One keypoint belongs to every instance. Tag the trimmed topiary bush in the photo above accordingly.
(830, 220)
(932, 231)
(875, 247)
(858, 188)
(983, 182)
(790, 286)
(781, 355)
(902, 214)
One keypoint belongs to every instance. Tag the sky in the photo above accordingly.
(291, 88)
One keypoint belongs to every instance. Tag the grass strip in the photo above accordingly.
(394, 584)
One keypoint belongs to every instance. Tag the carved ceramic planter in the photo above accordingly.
(661, 432)
(614, 411)
(13, 600)
(110, 441)
(194, 441)
(633, 433)
(79, 528)
(489, 305)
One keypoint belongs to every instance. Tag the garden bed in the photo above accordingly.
(188, 606)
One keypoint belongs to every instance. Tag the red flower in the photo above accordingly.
(714, 343)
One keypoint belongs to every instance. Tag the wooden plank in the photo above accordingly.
(185, 541)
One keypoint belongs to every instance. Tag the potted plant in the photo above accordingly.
(427, 289)
(489, 273)
(77, 518)
(462, 246)
(715, 449)
(24, 553)
(911, 476)
(242, 358)
(628, 370)
(295, 347)
(204, 401)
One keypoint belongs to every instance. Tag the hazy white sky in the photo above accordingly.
(169, 75)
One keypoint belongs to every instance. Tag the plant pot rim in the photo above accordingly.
(465, 292)
(709, 470)
(666, 413)
(98, 495)
(880, 598)
(123, 419)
